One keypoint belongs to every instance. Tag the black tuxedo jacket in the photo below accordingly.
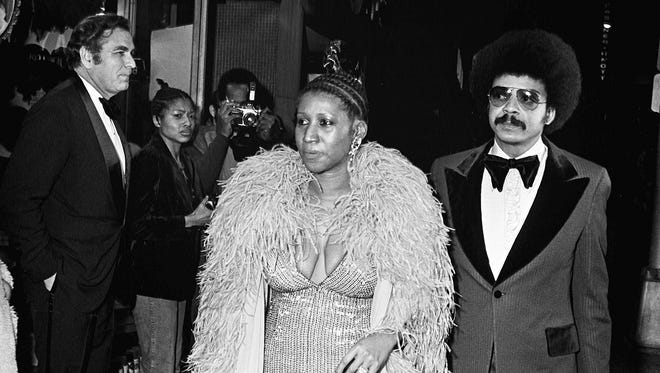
(63, 198)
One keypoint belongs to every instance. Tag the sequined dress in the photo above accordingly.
(309, 326)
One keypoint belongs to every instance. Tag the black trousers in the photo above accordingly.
(79, 341)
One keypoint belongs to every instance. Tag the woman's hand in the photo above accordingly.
(369, 354)
(201, 215)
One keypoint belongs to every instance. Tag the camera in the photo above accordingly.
(248, 112)
(249, 115)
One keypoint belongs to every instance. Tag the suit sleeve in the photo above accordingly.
(210, 164)
(38, 160)
(590, 285)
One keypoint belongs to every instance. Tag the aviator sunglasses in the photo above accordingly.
(528, 99)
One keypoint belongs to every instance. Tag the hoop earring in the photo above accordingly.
(355, 144)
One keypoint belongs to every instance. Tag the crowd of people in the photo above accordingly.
(330, 253)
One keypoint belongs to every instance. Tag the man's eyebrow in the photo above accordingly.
(122, 48)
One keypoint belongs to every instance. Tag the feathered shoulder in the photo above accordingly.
(390, 217)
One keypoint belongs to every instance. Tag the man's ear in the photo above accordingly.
(360, 127)
(212, 110)
(549, 116)
(156, 121)
(86, 57)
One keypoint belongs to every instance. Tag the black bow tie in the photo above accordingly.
(498, 168)
(111, 109)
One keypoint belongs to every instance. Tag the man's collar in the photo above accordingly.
(476, 155)
(4, 152)
(93, 92)
(538, 149)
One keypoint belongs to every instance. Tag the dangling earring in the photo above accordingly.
(355, 144)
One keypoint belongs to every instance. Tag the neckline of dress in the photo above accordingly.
(327, 278)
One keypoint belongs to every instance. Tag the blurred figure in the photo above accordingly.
(62, 200)
(25, 86)
(167, 209)
(28, 83)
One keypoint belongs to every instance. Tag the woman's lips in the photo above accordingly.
(311, 153)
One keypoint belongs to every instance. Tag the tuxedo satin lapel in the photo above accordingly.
(464, 189)
(558, 194)
(110, 156)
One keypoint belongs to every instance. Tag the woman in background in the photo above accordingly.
(167, 211)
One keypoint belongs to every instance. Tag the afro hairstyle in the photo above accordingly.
(538, 54)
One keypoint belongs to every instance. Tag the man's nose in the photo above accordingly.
(130, 61)
(512, 105)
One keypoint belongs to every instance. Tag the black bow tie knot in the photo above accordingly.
(111, 109)
(498, 167)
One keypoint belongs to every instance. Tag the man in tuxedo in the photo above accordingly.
(529, 243)
(63, 200)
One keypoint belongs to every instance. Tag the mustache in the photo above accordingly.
(510, 119)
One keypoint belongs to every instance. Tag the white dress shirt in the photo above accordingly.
(503, 213)
(107, 123)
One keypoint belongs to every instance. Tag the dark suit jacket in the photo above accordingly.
(166, 253)
(547, 311)
(63, 199)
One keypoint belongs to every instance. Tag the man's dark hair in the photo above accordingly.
(90, 33)
(239, 75)
(535, 53)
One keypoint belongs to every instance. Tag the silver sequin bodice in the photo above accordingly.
(310, 327)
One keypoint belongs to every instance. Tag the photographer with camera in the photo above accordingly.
(243, 102)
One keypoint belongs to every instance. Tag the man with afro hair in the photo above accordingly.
(529, 219)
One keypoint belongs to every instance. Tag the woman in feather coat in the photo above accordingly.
(331, 258)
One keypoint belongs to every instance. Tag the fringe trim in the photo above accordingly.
(390, 217)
